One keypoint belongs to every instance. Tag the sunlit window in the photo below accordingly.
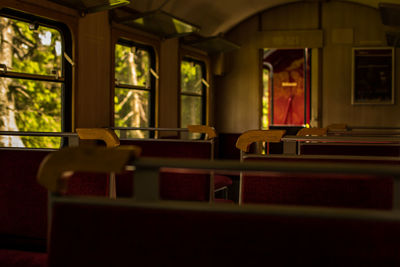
(192, 94)
(32, 81)
(134, 85)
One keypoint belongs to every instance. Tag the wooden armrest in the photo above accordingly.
(59, 165)
(312, 131)
(107, 135)
(210, 131)
(247, 138)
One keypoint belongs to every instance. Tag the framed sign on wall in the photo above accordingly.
(373, 76)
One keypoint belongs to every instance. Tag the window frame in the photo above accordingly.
(128, 39)
(66, 75)
(203, 62)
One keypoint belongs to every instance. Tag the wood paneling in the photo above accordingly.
(92, 98)
(297, 16)
(237, 95)
(169, 83)
(289, 39)
(337, 58)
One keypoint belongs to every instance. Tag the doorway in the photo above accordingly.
(286, 88)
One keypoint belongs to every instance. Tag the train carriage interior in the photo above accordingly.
(199, 133)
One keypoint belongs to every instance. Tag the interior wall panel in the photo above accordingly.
(169, 83)
(368, 31)
(93, 71)
(296, 16)
(237, 94)
(343, 25)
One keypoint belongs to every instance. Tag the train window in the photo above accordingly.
(32, 79)
(134, 87)
(192, 93)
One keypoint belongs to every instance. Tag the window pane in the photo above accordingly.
(132, 66)
(191, 110)
(29, 50)
(27, 105)
(191, 75)
(132, 109)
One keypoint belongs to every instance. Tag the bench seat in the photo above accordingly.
(181, 234)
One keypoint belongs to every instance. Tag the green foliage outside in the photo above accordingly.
(191, 94)
(37, 103)
(191, 75)
(132, 66)
(131, 106)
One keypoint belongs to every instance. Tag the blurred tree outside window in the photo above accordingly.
(31, 82)
(133, 88)
(265, 99)
(192, 94)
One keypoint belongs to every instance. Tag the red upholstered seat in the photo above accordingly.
(18, 258)
(350, 191)
(221, 180)
(175, 186)
(23, 202)
(171, 148)
(113, 235)
(318, 189)
(23, 206)
(91, 184)
(184, 186)
(352, 149)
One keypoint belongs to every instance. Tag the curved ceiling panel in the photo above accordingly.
(219, 16)
(213, 16)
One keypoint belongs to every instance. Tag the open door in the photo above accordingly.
(288, 87)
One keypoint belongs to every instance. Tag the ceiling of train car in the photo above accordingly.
(218, 16)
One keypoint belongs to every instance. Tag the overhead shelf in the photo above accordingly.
(393, 39)
(92, 6)
(160, 23)
(390, 14)
(215, 44)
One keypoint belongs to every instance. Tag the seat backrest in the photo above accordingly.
(23, 203)
(346, 190)
(199, 234)
(175, 185)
